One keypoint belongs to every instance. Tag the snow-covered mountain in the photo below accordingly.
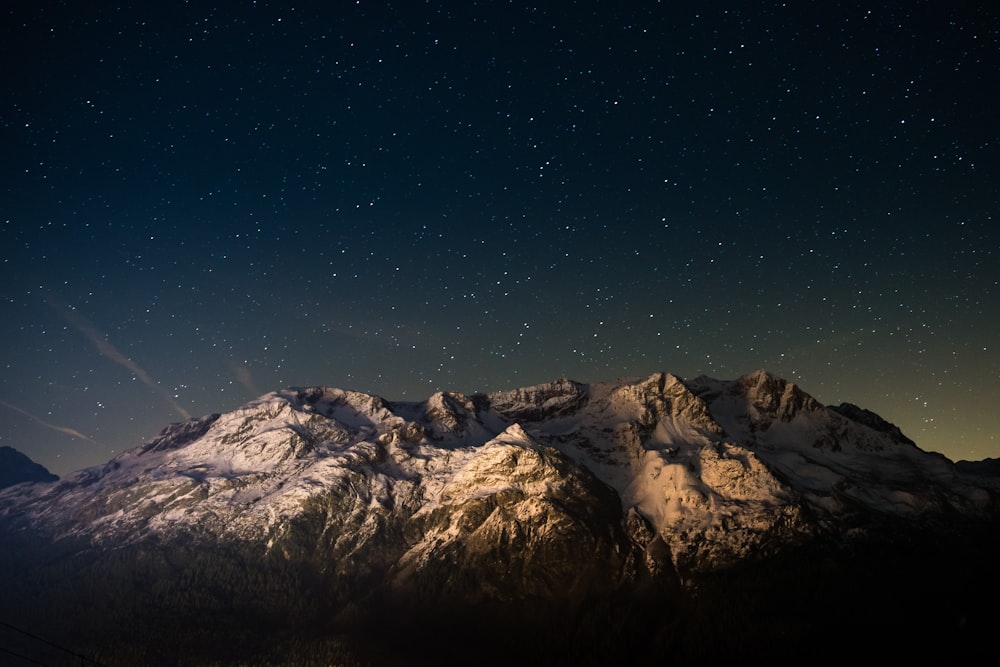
(547, 499)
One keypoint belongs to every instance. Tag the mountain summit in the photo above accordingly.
(624, 508)
(16, 468)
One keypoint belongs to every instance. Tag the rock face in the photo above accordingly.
(16, 468)
(585, 518)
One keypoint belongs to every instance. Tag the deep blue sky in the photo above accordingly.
(200, 203)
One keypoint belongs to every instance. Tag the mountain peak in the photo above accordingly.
(16, 468)
(774, 396)
(449, 412)
(551, 399)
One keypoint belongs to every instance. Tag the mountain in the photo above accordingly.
(638, 520)
(15, 468)
(983, 467)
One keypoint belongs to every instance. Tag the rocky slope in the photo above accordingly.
(543, 511)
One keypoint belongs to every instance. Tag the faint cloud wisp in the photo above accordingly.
(72, 432)
(104, 346)
(243, 376)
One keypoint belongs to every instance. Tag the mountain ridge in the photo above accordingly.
(718, 448)
(555, 499)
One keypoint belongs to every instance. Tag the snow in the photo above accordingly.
(711, 465)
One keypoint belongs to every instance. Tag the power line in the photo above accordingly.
(22, 657)
(84, 660)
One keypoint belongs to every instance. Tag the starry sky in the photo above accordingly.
(201, 203)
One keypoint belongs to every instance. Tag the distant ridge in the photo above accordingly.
(15, 468)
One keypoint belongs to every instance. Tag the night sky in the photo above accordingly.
(202, 203)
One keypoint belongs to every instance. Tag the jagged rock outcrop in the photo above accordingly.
(871, 420)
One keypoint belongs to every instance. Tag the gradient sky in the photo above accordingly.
(201, 203)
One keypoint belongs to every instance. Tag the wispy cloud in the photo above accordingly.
(243, 376)
(104, 346)
(72, 432)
